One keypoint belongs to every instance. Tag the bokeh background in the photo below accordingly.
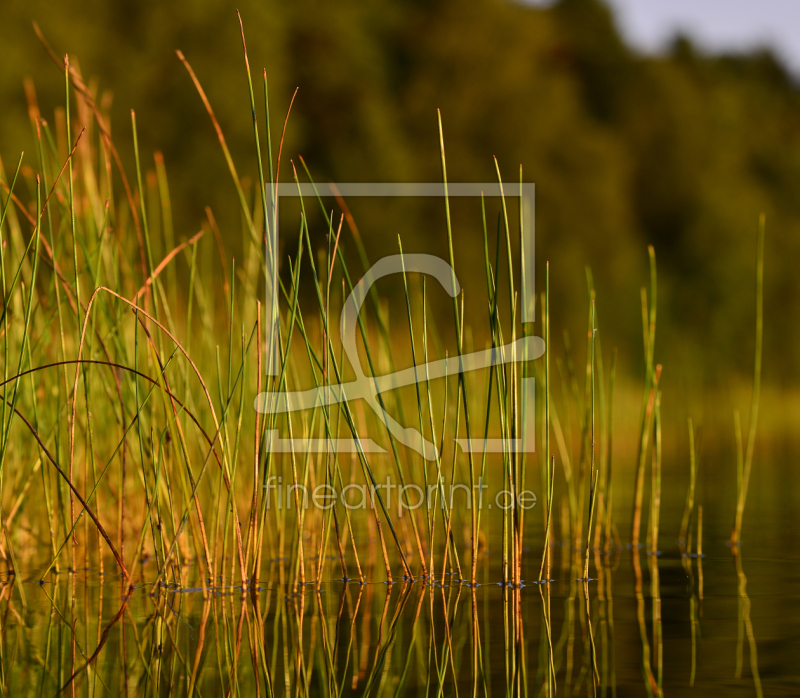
(634, 135)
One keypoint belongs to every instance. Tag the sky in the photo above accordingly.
(715, 25)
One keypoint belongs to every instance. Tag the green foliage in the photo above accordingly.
(682, 150)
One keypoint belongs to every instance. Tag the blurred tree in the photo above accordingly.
(681, 150)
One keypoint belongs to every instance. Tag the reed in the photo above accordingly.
(548, 459)
(147, 448)
(689, 506)
(743, 473)
(179, 508)
(594, 474)
(652, 375)
(655, 481)
(608, 524)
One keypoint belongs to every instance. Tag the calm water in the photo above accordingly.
(724, 624)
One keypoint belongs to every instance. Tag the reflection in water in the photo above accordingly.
(658, 644)
(745, 625)
(649, 679)
(686, 560)
(606, 613)
(567, 637)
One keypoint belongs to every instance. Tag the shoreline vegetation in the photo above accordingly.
(128, 425)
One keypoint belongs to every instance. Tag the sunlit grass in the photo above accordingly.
(132, 362)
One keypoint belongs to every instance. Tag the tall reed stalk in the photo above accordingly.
(743, 483)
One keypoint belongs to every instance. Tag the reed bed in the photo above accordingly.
(133, 352)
